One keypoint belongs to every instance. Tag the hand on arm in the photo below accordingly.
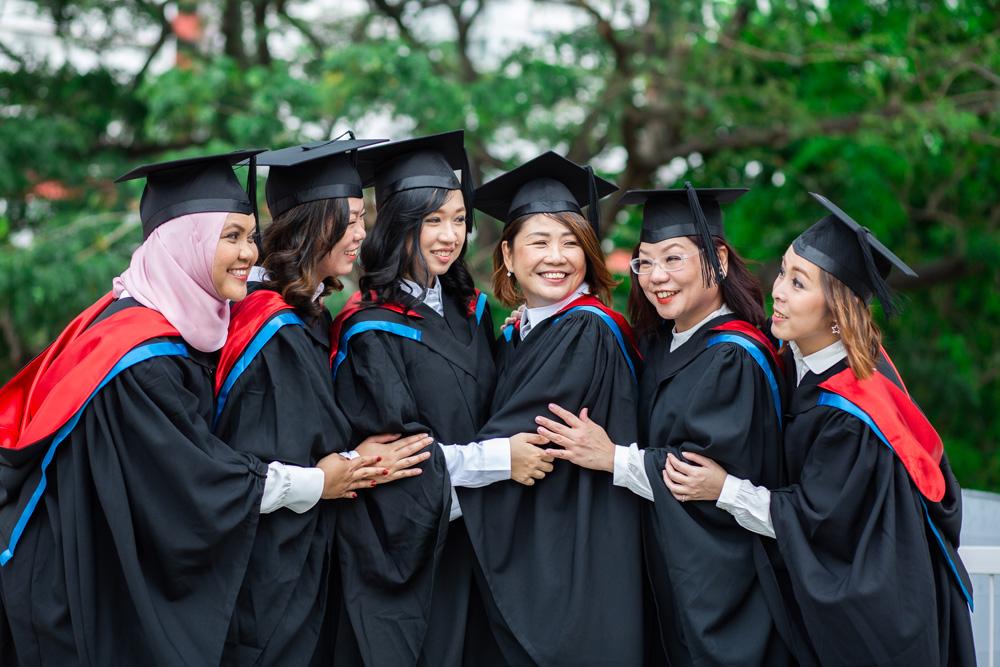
(528, 461)
(583, 441)
(342, 477)
(700, 480)
(398, 455)
(515, 316)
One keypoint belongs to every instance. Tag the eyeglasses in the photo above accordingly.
(642, 266)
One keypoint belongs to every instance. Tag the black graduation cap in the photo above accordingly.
(548, 183)
(423, 162)
(851, 253)
(193, 185)
(314, 171)
(687, 211)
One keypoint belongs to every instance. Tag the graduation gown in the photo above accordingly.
(561, 559)
(127, 525)
(715, 395)
(275, 402)
(407, 578)
(869, 563)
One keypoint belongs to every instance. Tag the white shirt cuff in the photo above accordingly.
(630, 470)
(353, 454)
(294, 487)
(750, 505)
(474, 465)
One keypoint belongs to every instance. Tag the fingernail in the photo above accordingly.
(377, 459)
(374, 482)
(385, 471)
(353, 495)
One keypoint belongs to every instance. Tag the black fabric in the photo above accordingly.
(667, 214)
(422, 162)
(282, 409)
(862, 571)
(548, 183)
(192, 185)
(310, 172)
(136, 551)
(561, 558)
(715, 401)
(404, 604)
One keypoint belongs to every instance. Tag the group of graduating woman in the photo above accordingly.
(207, 468)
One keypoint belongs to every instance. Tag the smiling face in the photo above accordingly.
(340, 260)
(234, 255)
(801, 313)
(547, 259)
(679, 295)
(442, 237)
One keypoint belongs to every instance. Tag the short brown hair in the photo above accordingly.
(597, 277)
(860, 336)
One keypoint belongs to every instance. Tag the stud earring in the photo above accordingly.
(509, 274)
(835, 329)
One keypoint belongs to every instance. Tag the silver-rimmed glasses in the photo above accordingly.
(642, 266)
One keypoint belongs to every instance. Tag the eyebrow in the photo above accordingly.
(233, 226)
(670, 247)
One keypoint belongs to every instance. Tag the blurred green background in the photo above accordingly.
(890, 108)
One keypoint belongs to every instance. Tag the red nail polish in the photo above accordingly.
(374, 482)
(377, 459)
(385, 471)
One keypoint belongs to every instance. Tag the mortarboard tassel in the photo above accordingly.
(880, 287)
(468, 190)
(252, 195)
(704, 232)
(593, 207)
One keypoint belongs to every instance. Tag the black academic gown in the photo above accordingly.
(281, 408)
(864, 575)
(561, 559)
(711, 398)
(407, 573)
(136, 550)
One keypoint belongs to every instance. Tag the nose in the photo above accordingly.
(659, 274)
(361, 233)
(447, 234)
(778, 289)
(555, 254)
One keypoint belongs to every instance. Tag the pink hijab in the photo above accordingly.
(171, 272)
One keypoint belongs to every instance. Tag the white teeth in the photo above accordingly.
(554, 275)
(239, 272)
(442, 253)
(663, 294)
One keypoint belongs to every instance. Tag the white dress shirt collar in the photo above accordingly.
(679, 339)
(431, 296)
(817, 362)
(532, 317)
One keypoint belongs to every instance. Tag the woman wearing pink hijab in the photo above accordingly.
(125, 525)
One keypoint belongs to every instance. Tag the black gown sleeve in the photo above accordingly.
(701, 562)
(853, 537)
(137, 550)
(390, 538)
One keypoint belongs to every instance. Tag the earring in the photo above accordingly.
(835, 329)
(509, 274)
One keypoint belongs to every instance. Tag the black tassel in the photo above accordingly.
(593, 207)
(880, 287)
(704, 232)
(468, 190)
(252, 194)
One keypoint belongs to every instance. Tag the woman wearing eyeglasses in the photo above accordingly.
(710, 387)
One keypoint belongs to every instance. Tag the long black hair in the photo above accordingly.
(392, 250)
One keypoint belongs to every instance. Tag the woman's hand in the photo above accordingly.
(685, 481)
(398, 455)
(528, 462)
(515, 315)
(342, 476)
(584, 442)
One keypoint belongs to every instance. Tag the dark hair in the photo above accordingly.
(295, 242)
(740, 290)
(392, 250)
(598, 277)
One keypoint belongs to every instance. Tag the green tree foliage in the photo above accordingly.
(892, 109)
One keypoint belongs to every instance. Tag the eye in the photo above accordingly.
(573, 243)
(796, 283)
(781, 270)
(432, 221)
